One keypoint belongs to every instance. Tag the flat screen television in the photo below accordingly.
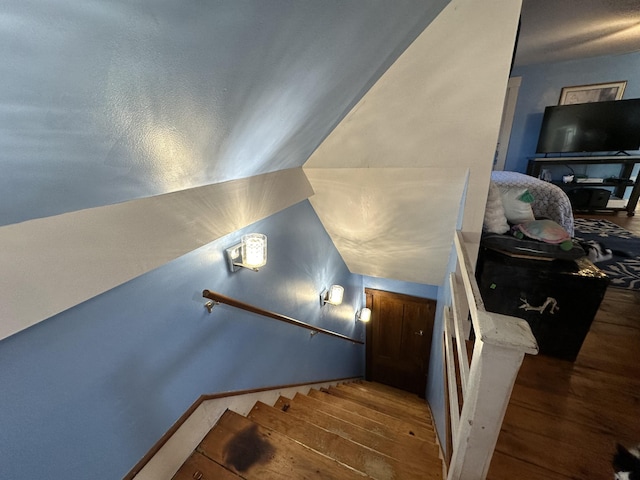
(591, 127)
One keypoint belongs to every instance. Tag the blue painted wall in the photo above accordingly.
(104, 102)
(541, 86)
(89, 391)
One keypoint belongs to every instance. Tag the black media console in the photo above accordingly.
(592, 194)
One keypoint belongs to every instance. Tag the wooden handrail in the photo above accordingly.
(216, 297)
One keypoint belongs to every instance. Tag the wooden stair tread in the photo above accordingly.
(382, 404)
(364, 422)
(345, 429)
(355, 455)
(253, 451)
(398, 397)
(355, 432)
(405, 400)
(398, 425)
(199, 466)
(419, 452)
(410, 398)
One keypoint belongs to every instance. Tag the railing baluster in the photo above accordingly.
(500, 346)
(454, 405)
(463, 360)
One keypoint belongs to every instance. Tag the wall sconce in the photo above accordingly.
(250, 253)
(364, 315)
(333, 296)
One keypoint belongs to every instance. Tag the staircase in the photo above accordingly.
(355, 430)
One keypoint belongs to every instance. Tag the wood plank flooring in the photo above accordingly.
(565, 418)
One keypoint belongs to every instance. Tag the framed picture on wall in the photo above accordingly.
(598, 92)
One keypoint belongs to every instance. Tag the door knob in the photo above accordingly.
(419, 332)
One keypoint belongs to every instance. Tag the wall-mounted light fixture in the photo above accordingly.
(250, 253)
(333, 295)
(364, 315)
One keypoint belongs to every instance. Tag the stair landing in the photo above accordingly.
(358, 430)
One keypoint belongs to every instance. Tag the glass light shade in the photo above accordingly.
(254, 250)
(365, 315)
(335, 294)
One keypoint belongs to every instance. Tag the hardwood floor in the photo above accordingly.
(565, 418)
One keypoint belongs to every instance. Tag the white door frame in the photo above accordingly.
(508, 111)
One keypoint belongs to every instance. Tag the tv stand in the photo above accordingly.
(617, 185)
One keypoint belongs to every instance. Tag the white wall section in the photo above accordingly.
(438, 106)
(388, 222)
(51, 264)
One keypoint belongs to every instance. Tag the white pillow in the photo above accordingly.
(515, 209)
(495, 220)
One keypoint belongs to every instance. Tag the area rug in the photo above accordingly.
(624, 267)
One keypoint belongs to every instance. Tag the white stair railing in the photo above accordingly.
(486, 384)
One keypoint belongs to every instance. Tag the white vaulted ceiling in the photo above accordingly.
(393, 180)
(385, 222)
(560, 30)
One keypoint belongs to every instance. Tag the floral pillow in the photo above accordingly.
(546, 231)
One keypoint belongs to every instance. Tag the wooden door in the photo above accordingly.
(399, 340)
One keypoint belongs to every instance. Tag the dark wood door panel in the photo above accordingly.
(388, 334)
(399, 339)
(417, 329)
